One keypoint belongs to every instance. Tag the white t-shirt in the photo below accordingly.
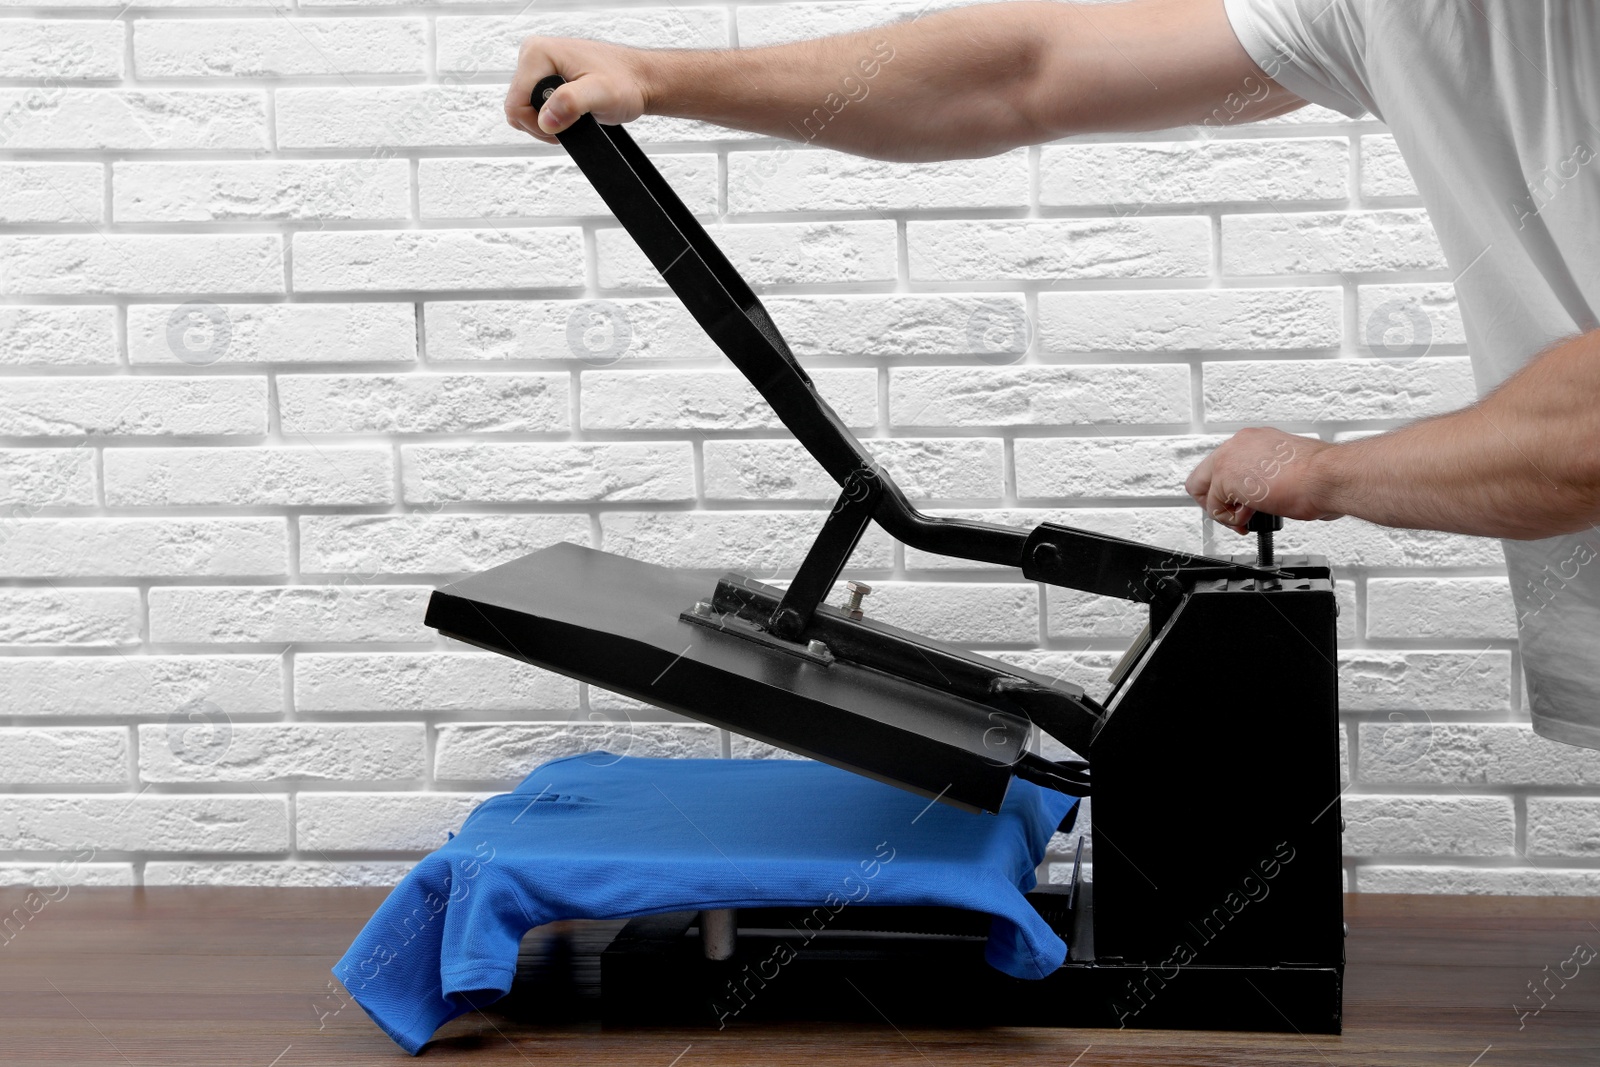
(1495, 107)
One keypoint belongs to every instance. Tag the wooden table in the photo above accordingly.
(170, 977)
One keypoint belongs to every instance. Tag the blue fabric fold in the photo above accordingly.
(599, 836)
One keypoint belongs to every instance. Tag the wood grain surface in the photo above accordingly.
(184, 977)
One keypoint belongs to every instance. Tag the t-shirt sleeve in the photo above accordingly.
(1313, 48)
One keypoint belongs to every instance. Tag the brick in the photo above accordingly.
(422, 543)
(1492, 881)
(62, 407)
(1336, 389)
(248, 477)
(1191, 172)
(145, 823)
(381, 260)
(1492, 754)
(1440, 608)
(711, 400)
(1327, 241)
(344, 612)
(52, 118)
(1087, 669)
(1189, 320)
(480, 44)
(70, 872)
(61, 49)
(768, 24)
(1563, 826)
(281, 333)
(1176, 528)
(152, 548)
(322, 190)
(595, 332)
(1427, 825)
(545, 186)
(741, 747)
(923, 468)
(143, 686)
(278, 873)
(1408, 320)
(393, 117)
(33, 478)
(52, 192)
(1048, 250)
(1381, 680)
(1038, 396)
(57, 336)
(806, 179)
(507, 752)
(1075, 614)
(755, 543)
(277, 47)
(798, 253)
(549, 473)
(415, 682)
(90, 618)
(38, 755)
(1353, 543)
(1108, 466)
(993, 325)
(1383, 170)
(269, 752)
(380, 822)
(73, 264)
(423, 403)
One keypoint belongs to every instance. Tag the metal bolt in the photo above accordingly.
(548, 93)
(1263, 548)
(702, 607)
(816, 648)
(857, 591)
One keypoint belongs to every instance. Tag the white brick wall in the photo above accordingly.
(294, 329)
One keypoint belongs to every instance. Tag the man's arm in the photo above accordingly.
(1522, 463)
(959, 84)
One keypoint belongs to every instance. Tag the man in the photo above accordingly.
(1494, 105)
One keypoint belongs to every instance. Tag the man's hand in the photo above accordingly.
(1261, 470)
(606, 80)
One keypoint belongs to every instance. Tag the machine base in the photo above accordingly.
(654, 973)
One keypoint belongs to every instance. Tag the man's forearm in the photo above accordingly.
(958, 84)
(1522, 463)
(953, 84)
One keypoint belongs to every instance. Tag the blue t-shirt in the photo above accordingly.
(606, 837)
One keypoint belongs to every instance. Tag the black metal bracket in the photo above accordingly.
(842, 531)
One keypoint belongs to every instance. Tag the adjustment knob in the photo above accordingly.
(1264, 526)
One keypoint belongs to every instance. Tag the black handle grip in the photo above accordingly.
(544, 87)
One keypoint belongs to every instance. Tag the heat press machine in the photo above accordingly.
(1216, 899)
